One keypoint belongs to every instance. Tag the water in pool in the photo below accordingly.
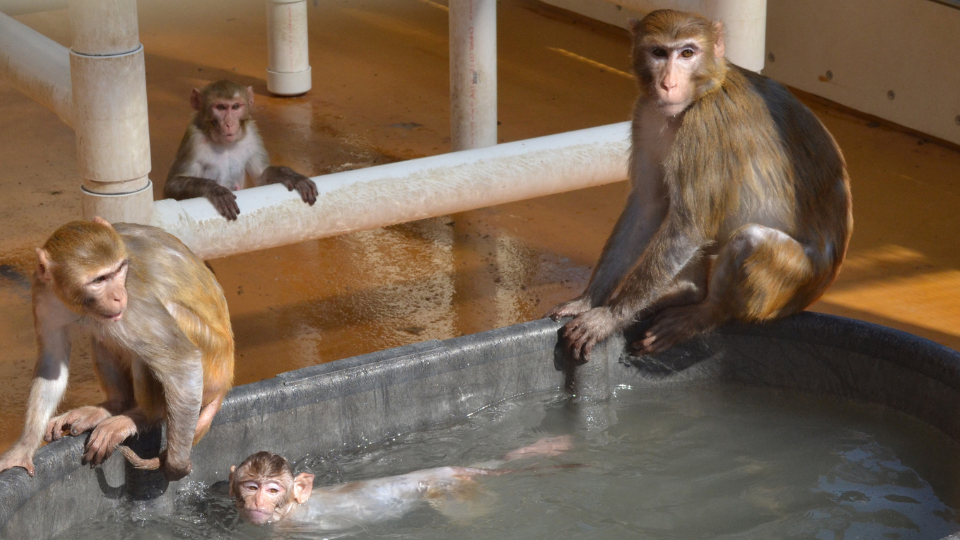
(673, 463)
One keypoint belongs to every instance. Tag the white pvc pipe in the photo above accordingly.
(473, 73)
(288, 69)
(400, 192)
(744, 23)
(110, 102)
(36, 66)
(21, 7)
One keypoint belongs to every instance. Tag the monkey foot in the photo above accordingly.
(107, 436)
(673, 325)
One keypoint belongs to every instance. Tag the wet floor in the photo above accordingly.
(380, 94)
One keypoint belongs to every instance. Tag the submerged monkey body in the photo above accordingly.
(739, 205)
(380, 499)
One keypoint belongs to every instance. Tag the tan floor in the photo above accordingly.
(380, 95)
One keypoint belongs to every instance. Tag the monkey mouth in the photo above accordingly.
(259, 517)
(112, 317)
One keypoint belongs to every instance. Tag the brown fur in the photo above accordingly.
(168, 354)
(739, 207)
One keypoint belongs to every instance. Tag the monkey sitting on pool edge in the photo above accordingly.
(739, 204)
(266, 491)
(221, 147)
(163, 347)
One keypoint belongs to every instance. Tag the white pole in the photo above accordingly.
(110, 104)
(288, 69)
(37, 66)
(20, 7)
(405, 191)
(473, 73)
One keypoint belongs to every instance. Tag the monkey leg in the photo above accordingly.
(760, 274)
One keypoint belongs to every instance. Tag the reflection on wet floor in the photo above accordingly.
(381, 95)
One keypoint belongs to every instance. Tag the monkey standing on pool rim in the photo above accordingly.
(221, 147)
(162, 348)
(739, 205)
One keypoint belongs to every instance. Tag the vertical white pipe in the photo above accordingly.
(288, 68)
(110, 104)
(745, 30)
(473, 73)
(37, 66)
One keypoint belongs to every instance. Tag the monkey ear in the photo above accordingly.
(233, 492)
(196, 100)
(719, 47)
(302, 487)
(100, 221)
(249, 95)
(634, 26)
(44, 266)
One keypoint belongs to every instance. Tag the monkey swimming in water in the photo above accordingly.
(266, 491)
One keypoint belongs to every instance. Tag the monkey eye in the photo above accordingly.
(221, 107)
(235, 106)
(686, 53)
(659, 53)
(99, 279)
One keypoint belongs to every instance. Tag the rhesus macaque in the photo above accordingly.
(221, 147)
(162, 347)
(266, 491)
(739, 205)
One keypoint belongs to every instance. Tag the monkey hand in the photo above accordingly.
(77, 421)
(304, 186)
(19, 455)
(588, 329)
(107, 436)
(224, 200)
(572, 308)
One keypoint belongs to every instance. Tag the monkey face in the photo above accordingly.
(226, 118)
(264, 500)
(105, 293)
(264, 496)
(673, 67)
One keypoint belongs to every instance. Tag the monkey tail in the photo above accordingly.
(138, 462)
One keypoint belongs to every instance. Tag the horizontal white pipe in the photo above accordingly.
(400, 192)
(744, 23)
(37, 66)
(21, 7)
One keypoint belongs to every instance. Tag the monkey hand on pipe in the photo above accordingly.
(266, 491)
(162, 341)
(739, 204)
(222, 147)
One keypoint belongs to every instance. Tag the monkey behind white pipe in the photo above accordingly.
(400, 192)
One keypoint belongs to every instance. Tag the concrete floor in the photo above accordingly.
(380, 95)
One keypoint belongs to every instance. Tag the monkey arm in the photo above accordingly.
(49, 383)
(641, 216)
(671, 248)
